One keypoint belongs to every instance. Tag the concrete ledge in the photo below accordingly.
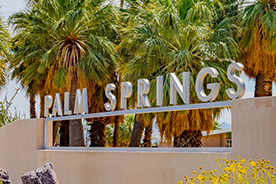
(140, 149)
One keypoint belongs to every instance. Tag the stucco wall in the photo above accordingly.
(123, 167)
(253, 135)
(254, 128)
(18, 149)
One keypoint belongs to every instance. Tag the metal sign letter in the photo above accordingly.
(199, 85)
(57, 106)
(159, 91)
(66, 104)
(183, 90)
(81, 104)
(126, 90)
(143, 90)
(238, 81)
(112, 105)
(48, 100)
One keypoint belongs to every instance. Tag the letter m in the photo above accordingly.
(81, 104)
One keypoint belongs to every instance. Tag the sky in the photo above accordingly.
(21, 102)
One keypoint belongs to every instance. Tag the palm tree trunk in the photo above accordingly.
(117, 118)
(97, 133)
(76, 137)
(41, 106)
(32, 106)
(189, 139)
(116, 132)
(137, 132)
(122, 4)
(263, 86)
(148, 133)
(64, 133)
(41, 96)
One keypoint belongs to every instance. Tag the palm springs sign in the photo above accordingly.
(81, 103)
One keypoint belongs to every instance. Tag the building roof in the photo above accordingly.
(215, 132)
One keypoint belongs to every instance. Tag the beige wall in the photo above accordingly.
(18, 149)
(121, 167)
(253, 135)
(217, 140)
(254, 128)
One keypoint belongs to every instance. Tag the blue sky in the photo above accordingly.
(21, 102)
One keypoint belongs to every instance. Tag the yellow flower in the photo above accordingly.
(199, 177)
(252, 163)
(180, 182)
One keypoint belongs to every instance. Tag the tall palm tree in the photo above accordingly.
(4, 51)
(124, 132)
(258, 43)
(68, 44)
(178, 36)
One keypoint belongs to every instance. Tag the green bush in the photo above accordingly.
(240, 171)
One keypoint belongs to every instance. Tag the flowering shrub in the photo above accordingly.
(240, 171)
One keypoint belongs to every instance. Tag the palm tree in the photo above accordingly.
(257, 22)
(216, 126)
(178, 36)
(147, 135)
(67, 42)
(124, 132)
(4, 51)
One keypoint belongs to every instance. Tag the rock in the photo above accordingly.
(47, 174)
(4, 176)
(42, 175)
(30, 178)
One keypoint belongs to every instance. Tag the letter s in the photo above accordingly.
(237, 80)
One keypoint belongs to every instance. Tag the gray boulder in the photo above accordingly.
(42, 175)
(4, 176)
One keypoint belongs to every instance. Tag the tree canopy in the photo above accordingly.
(165, 37)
